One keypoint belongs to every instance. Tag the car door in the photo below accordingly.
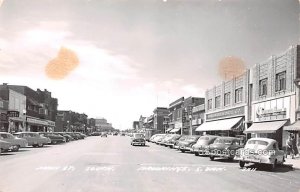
(279, 155)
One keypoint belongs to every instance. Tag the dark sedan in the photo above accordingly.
(55, 138)
(66, 136)
(225, 147)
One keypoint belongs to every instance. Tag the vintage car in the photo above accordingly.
(74, 135)
(166, 139)
(153, 137)
(66, 136)
(200, 148)
(96, 134)
(138, 139)
(15, 142)
(178, 141)
(161, 139)
(157, 137)
(171, 142)
(224, 147)
(186, 145)
(4, 146)
(261, 151)
(55, 138)
(104, 134)
(33, 138)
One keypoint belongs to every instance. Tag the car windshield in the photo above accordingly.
(256, 144)
(138, 136)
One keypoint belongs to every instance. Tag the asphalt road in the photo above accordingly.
(111, 164)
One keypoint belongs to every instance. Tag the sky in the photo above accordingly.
(120, 59)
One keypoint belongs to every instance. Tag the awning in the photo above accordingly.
(220, 125)
(294, 127)
(175, 130)
(265, 127)
(169, 129)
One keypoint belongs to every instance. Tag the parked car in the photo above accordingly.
(161, 139)
(186, 145)
(15, 142)
(166, 139)
(55, 138)
(115, 133)
(33, 138)
(170, 142)
(138, 139)
(104, 135)
(96, 134)
(74, 135)
(261, 151)
(4, 146)
(224, 147)
(200, 148)
(181, 139)
(153, 137)
(66, 136)
(80, 135)
(158, 138)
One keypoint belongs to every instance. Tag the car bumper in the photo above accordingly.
(138, 143)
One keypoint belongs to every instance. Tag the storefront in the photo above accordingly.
(295, 130)
(177, 128)
(269, 118)
(39, 125)
(229, 122)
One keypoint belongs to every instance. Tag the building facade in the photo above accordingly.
(275, 98)
(159, 114)
(227, 107)
(198, 116)
(40, 111)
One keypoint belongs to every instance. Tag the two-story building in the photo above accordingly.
(275, 97)
(227, 107)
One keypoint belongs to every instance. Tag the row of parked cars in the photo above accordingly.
(256, 150)
(13, 142)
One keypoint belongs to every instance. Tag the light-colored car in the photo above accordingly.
(15, 141)
(33, 138)
(4, 146)
(201, 147)
(138, 139)
(261, 151)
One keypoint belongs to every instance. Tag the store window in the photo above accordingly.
(280, 81)
(238, 95)
(209, 104)
(227, 99)
(263, 87)
(218, 102)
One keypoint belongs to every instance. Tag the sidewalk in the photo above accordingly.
(295, 163)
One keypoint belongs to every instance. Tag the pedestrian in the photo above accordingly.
(294, 145)
(289, 146)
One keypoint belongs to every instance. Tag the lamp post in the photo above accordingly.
(191, 128)
(25, 121)
(68, 126)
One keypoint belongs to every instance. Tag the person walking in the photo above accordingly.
(289, 146)
(294, 145)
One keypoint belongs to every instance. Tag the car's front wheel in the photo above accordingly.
(16, 148)
(212, 158)
(242, 164)
(41, 145)
(196, 153)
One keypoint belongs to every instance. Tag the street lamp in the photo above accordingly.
(191, 128)
(25, 121)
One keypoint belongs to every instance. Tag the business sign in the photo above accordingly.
(37, 121)
(226, 113)
(13, 113)
(261, 112)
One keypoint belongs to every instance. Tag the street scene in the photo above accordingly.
(112, 164)
(149, 95)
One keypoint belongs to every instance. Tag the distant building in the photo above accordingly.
(71, 121)
(102, 125)
(159, 115)
(136, 125)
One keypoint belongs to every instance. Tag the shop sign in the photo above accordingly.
(227, 113)
(51, 123)
(37, 121)
(13, 113)
(261, 112)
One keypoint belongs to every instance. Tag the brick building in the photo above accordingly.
(37, 108)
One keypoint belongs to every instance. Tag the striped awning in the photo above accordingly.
(294, 127)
